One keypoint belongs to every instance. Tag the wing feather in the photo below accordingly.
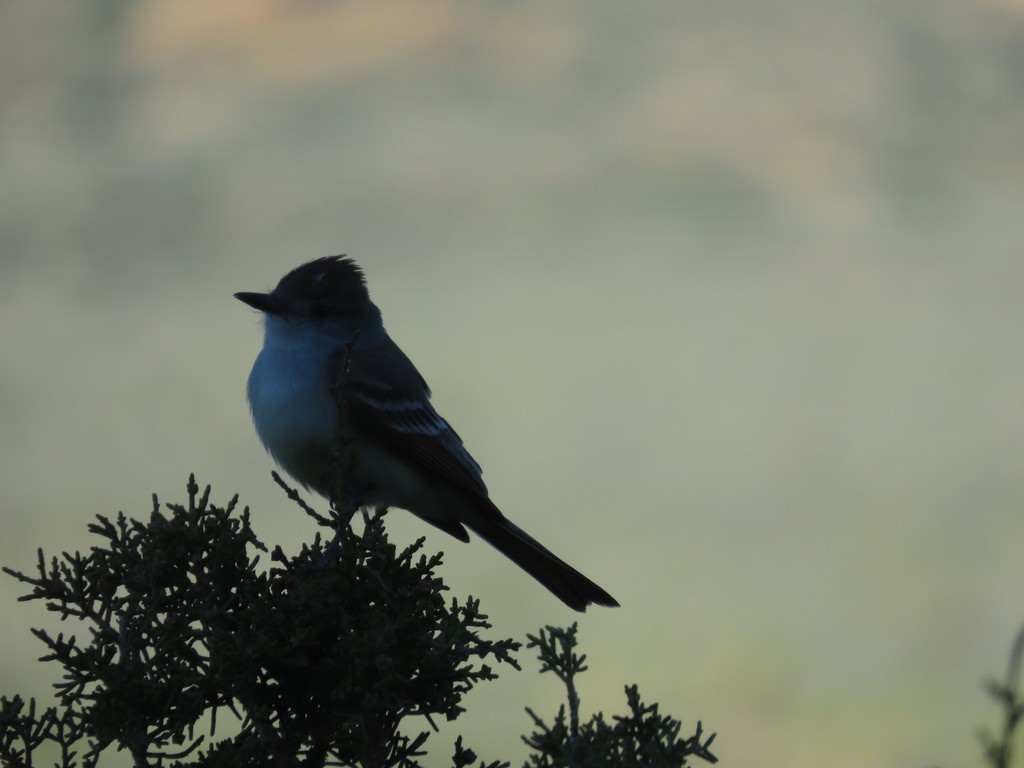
(388, 399)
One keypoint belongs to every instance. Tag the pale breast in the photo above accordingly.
(293, 412)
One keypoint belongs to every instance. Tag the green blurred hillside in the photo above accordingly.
(725, 297)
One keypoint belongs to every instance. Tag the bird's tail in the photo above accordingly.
(565, 582)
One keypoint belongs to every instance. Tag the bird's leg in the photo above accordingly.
(343, 509)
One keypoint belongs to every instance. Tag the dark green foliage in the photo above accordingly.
(317, 659)
(642, 739)
(22, 732)
(321, 658)
(999, 748)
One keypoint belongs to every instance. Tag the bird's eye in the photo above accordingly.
(318, 311)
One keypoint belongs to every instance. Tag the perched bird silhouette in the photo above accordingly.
(322, 332)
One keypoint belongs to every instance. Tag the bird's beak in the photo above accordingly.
(264, 302)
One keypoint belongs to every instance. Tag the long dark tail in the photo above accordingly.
(565, 582)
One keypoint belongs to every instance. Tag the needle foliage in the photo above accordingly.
(191, 643)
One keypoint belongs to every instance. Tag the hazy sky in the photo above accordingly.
(725, 298)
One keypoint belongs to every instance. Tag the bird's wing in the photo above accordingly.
(388, 400)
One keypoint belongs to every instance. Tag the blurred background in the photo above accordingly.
(724, 296)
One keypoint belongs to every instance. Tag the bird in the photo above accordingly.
(328, 368)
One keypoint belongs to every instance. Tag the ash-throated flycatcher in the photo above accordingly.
(318, 320)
